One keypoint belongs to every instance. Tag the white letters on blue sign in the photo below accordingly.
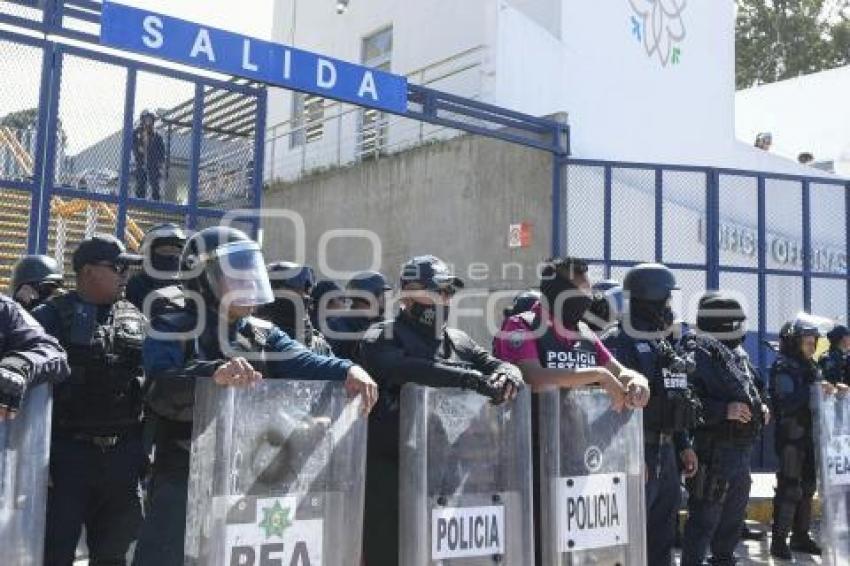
(124, 27)
(325, 74)
(203, 44)
(246, 56)
(153, 28)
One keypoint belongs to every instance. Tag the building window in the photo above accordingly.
(372, 131)
(308, 119)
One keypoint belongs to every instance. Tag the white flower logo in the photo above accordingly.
(659, 25)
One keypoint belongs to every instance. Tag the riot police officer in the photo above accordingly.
(35, 278)
(792, 375)
(96, 456)
(292, 284)
(642, 341)
(835, 364)
(417, 347)
(552, 346)
(161, 248)
(28, 356)
(366, 292)
(734, 413)
(216, 338)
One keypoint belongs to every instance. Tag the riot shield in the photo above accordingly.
(277, 475)
(591, 480)
(465, 494)
(832, 437)
(24, 454)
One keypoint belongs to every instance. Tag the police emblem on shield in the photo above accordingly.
(593, 459)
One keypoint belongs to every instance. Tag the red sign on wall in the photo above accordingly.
(519, 235)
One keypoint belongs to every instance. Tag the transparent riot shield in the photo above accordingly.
(277, 475)
(591, 480)
(24, 454)
(465, 494)
(832, 436)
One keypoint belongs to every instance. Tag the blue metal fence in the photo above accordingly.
(780, 241)
(75, 162)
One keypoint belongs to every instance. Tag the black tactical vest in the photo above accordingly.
(104, 393)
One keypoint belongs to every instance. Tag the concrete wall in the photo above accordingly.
(455, 200)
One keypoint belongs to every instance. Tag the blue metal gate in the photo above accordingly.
(69, 165)
(780, 241)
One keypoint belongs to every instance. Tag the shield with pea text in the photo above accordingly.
(277, 475)
(832, 435)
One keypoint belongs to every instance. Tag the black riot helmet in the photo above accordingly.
(793, 331)
(837, 334)
(371, 282)
(158, 263)
(649, 282)
(223, 264)
(607, 305)
(292, 276)
(168, 234)
(648, 287)
(35, 270)
(523, 302)
(722, 316)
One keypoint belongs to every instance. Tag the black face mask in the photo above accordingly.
(430, 317)
(655, 315)
(573, 308)
(165, 263)
(282, 313)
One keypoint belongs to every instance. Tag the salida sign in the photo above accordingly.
(459, 532)
(267, 532)
(592, 512)
(222, 51)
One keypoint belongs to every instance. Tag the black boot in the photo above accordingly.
(751, 534)
(779, 546)
(804, 543)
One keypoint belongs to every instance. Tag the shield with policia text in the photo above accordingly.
(832, 437)
(465, 474)
(591, 480)
(24, 454)
(277, 475)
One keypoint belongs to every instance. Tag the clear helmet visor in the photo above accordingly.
(237, 275)
(822, 324)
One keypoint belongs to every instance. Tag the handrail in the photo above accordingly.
(73, 207)
(19, 152)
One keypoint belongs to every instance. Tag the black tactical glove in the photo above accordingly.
(483, 385)
(507, 378)
(12, 388)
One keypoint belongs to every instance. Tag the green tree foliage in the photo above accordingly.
(781, 39)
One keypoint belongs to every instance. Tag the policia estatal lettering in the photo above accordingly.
(97, 457)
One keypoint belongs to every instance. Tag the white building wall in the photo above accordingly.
(808, 113)
(588, 59)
